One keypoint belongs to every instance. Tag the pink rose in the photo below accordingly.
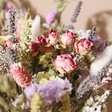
(68, 38)
(83, 46)
(40, 42)
(64, 63)
(52, 36)
(40, 46)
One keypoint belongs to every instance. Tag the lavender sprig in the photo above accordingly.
(93, 32)
(12, 13)
(76, 12)
(3, 60)
(12, 56)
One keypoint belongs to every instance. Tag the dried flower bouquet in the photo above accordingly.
(50, 67)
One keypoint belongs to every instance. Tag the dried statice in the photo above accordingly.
(12, 13)
(52, 91)
(76, 12)
(86, 86)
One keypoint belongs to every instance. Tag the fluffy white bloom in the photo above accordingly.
(36, 28)
(101, 61)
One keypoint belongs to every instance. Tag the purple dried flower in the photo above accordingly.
(51, 17)
(30, 90)
(76, 12)
(100, 46)
(54, 90)
(8, 6)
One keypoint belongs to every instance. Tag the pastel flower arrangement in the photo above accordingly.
(48, 67)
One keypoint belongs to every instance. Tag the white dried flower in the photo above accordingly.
(101, 61)
(36, 28)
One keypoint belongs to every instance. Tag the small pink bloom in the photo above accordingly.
(20, 75)
(83, 46)
(68, 38)
(64, 63)
(51, 17)
(52, 37)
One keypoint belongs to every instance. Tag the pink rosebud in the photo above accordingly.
(20, 75)
(51, 17)
(64, 63)
(52, 37)
(68, 38)
(83, 46)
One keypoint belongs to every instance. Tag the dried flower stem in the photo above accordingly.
(76, 12)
